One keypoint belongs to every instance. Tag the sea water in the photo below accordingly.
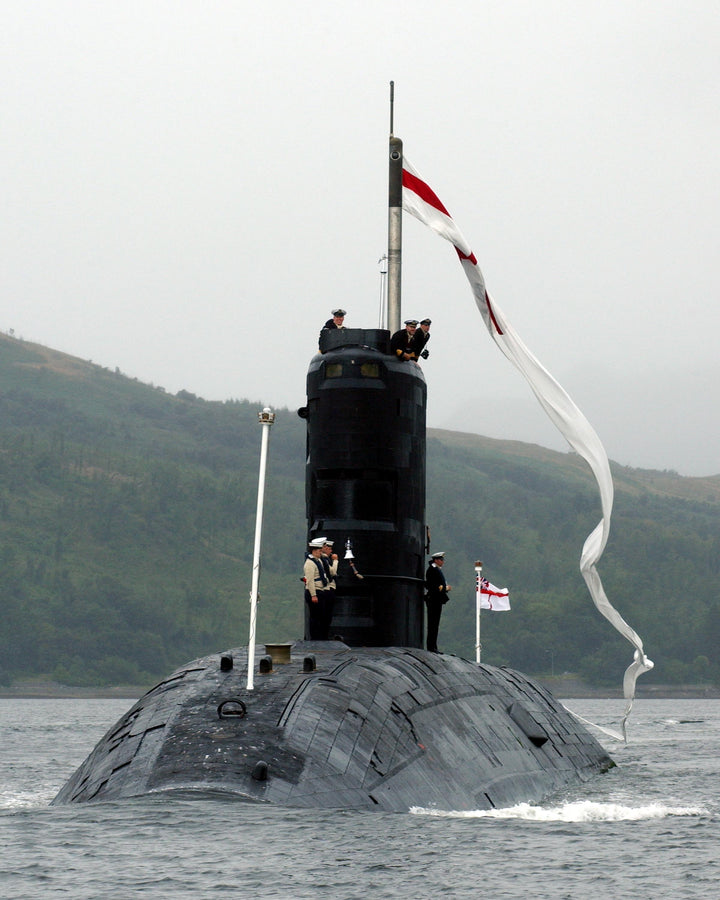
(649, 828)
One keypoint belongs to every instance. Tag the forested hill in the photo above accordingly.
(127, 524)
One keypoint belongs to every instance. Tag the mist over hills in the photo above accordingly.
(649, 420)
(127, 527)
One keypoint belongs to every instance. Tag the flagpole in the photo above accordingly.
(266, 418)
(383, 289)
(478, 645)
(394, 261)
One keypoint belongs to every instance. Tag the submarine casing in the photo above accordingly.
(339, 727)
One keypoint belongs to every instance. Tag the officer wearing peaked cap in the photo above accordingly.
(337, 321)
(436, 597)
(402, 343)
(422, 336)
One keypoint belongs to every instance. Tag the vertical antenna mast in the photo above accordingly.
(394, 223)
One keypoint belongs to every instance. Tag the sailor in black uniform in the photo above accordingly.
(337, 321)
(402, 343)
(338, 318)
(436, 596)
(422, 336)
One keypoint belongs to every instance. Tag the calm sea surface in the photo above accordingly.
(648, 829)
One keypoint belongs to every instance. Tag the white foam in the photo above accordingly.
(25, 799)
(580, 811)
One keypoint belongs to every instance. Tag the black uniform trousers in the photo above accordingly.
(319, 615)
(434, 608)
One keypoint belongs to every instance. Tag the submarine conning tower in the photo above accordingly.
(365, 482)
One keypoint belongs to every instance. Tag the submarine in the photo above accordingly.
(366, 719)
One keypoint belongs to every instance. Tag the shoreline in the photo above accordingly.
(51, 690)
(575, 689)
(561, 687)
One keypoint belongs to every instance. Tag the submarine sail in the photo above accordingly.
(365, 482)
(365, 472)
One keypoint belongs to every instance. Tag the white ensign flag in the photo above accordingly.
(494, 598)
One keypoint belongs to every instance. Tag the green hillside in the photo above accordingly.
(127, 524)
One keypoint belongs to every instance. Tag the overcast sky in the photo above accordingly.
(190, 187)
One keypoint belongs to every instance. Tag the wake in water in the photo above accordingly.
(21, 798)
(579, 811)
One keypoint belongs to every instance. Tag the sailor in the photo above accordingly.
(338, 318)
(422, 336)
(337, 321)
(436, 597)
(316, 584)
(402, 343)
(330, 562)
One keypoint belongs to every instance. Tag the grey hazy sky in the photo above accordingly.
(190, 187)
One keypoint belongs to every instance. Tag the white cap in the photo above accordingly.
(437, 555)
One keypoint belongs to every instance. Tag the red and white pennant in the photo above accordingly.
(421, 201)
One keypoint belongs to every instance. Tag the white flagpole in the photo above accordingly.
(266, 418)
(478, 645)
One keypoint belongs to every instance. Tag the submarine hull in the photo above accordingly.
(339, 727)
